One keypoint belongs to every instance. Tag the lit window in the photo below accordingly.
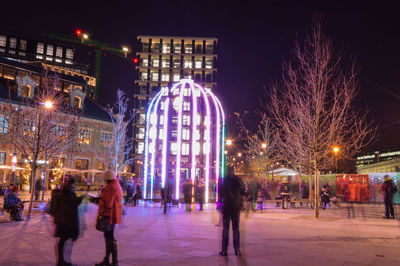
(2, 158)
(69, 54)
(209, 64)
(154, 76)
(177, 48)
(177, 77)
(165, 77)
(22, 44)
(156, 63)
(140, 147)
(185, 149)
(30, 127)
(84, 136)
(60, 131)
(50, 49)
(69, 62)
(39, 56)
(3, 40)
(40, 48)
(165, 63)
(13, 43)
(174, 148)
(3, 124)
(188, 48)
(58, 60)
(142, 118)
(144, 75)
(177, 63)
(81, 164)
(166, 49)
(186, 134)
(197, 64)
(145, 62)
(187, 64)
(186, 120)
(186, 106)
(59, 51)
(105, 138)
(48, 58)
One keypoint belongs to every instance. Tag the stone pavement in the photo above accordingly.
(271, 237)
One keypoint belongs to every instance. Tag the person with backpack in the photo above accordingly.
(233, 190)
(389, 188)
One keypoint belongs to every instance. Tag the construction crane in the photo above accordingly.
(83, 39)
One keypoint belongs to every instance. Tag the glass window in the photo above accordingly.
(140, 132)
(144, 75)
(145, 47)
(199, 49)
(13, 43)
(177, 77)
(155, 47)
(40, 48)
(177, 62)
(186, 106)
(82, 164)
(69, 54)
(3, 124)
(166, 49)
(142, 119)
(165, 63)
(177, 48)
(154, 76)
(59, 51)
(145, 62)
(209, 64)
(156, 62)
(105, 138)
(60, 131)
(186, 134)
(2, 158)
(188, 63)
(22, 44)
(174, 148)
(165, 77)
(84, 136)
(50, 49)
(3, 40)
(188, 48)
(30, 126)
(209, 49)
(140, 147)
(186, 120)
(197, 64)
(185, 148)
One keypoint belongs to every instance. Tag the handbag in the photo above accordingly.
(103, 223)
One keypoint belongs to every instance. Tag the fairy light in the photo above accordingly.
(179, 142)
(164, 143)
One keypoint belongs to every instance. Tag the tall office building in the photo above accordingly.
(163, 60)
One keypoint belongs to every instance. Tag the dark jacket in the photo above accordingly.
(233, 190)
(11, 199)
(187, 191)
(64, 208)
(389, 189)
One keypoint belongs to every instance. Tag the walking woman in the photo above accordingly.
(110, 205)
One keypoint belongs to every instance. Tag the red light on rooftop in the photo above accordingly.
(78, 32)
(135, 60)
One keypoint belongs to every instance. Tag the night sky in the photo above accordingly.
(255, 37)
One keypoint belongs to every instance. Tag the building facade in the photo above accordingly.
(377, 156)
(19, 81)
(57, 57)
(164, 60)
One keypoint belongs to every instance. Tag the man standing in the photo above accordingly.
(389, 188)
(232, 191)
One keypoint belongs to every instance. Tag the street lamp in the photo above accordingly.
(48, 104)
(336, 150)
(228, 142)
(264, 145)
(239, 154)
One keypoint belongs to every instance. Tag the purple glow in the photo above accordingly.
(164, 143)
(179, 142)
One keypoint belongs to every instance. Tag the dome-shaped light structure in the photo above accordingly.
(184, 140)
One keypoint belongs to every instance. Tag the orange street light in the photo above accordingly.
(48, 104)
(264, 145)
(239, 154)
(336, 150)
(229, 142)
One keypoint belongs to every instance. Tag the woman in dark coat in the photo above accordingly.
(64, 209)
(389, 188)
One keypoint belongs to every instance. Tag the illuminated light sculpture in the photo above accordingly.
(184, 140)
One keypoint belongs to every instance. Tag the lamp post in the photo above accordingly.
(49, 106)
(336, 150)
(13, 165)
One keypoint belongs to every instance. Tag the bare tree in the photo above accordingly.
(313, 107)
(260, 145)
(116, 152)
(42, 125)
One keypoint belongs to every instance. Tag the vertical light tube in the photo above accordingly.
(153, 146)
(165, 142)
(217, 142)
(146, 144)
(223, 140)
(208, 135)
(194, 128)
(179, 139)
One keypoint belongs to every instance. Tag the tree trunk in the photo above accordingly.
(33, 183)
(316, 198)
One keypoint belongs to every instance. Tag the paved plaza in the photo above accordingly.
(350, 235)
